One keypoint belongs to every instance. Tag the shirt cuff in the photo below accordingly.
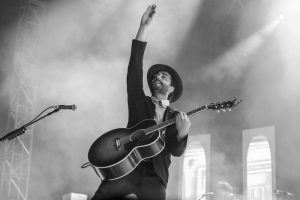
(138, 42)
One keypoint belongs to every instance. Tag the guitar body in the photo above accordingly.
(113, 156)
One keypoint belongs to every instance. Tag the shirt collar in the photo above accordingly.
(162, 103)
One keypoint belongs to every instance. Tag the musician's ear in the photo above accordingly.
(171, 89)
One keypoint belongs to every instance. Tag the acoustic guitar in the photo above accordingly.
(118, 152)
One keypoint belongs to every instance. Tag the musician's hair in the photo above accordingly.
(171, 95)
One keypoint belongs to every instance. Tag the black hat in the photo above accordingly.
(176, 80)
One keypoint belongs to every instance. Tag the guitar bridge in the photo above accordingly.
(118, 144)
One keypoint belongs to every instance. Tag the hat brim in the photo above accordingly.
(154, 69)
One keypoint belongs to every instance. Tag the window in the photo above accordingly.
(194, 178)
(259, 167)
(259, 170)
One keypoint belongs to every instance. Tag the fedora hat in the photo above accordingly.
(176, 80)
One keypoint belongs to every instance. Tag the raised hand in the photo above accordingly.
(145, 21)
(148, 15)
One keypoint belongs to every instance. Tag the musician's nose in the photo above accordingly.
(157, 76)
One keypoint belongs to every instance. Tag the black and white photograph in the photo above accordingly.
(149, 100)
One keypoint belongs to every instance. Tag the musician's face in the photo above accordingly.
(161, 83)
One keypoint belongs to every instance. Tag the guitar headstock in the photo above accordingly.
(225, 105)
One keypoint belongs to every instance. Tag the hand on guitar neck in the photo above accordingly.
(183, 125)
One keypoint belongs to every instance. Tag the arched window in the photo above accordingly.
(259, 170)
(194, 175)
(258, 164)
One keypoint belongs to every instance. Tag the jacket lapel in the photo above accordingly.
(150, 108)
(167, 114)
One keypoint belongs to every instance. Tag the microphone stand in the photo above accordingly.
(19, 131)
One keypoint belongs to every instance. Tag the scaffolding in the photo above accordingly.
(15, 172)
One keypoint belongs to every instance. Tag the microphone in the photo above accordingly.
(280, 192)
(68, 107)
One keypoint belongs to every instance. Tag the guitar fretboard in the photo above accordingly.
(225, 105)
(172, 120)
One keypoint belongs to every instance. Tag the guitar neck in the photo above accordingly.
(172, 120)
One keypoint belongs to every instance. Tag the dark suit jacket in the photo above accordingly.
(141, 107)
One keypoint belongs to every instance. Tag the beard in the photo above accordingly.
(159, 87)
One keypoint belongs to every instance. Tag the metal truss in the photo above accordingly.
(17, 152)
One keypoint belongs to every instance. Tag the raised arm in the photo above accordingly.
(135, 68)
(145, 21)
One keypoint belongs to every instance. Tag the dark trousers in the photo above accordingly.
(143, 182)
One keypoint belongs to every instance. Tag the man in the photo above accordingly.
(149, 179)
